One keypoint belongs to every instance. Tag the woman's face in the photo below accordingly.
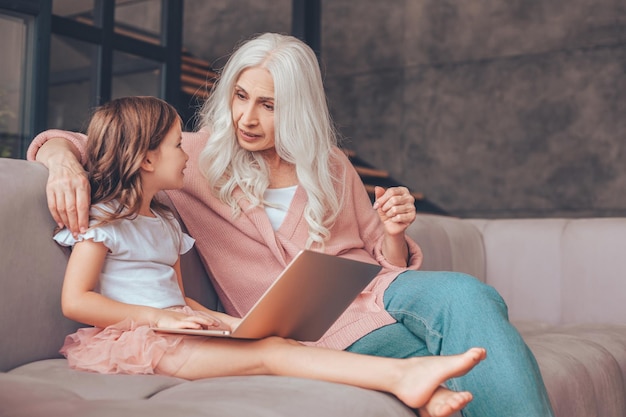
(253, 110)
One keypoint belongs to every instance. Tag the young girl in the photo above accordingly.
(123, 277)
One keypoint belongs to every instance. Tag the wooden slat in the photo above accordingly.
(371, 172)
(207, 73)
(192, 60)
(370, 191)
(202, 93)
(198, 81)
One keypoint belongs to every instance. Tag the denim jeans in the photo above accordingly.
(444, 313)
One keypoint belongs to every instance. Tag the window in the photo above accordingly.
(70, 85)
(62, 58)
(14, 69)
(107, 49)
(78, 10)
(135, 76)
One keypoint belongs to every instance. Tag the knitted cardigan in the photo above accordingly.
(244, 255)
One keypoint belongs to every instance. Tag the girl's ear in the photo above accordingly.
(147, 164)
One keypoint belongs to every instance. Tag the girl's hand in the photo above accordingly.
(178, 320)
(231, 322)
(396, 209)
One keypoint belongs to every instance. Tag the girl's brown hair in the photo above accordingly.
(121, 132)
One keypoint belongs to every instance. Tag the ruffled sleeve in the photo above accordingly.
(97, 234)
(186, 243)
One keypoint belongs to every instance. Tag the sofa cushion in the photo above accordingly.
(51, 388)
(22, 396)
(94, 386)
(283, 396)
(582, 367)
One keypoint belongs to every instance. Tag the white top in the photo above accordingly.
(280, 200)
(139, 267)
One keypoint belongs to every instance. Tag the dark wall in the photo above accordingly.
(213, 28)
(491, 108)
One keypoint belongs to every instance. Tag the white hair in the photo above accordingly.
(304, 135)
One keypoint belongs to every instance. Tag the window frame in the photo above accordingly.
(43, 24)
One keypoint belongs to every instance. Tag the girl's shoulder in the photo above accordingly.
(103, 209)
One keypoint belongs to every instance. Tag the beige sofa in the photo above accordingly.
(564, 281)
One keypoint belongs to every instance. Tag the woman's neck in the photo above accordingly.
(283, 175)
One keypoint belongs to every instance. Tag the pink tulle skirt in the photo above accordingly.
(129, 348)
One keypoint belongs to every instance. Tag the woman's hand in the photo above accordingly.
(68, 191)
(396, 209)
(230, 321)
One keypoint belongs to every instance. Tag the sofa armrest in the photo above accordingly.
(32, 268)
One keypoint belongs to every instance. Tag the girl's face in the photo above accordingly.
(169, 160)
(253, 110)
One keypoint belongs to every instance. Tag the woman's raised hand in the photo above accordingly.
(396, 208)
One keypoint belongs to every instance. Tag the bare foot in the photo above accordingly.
(444, 403)
(425, 375)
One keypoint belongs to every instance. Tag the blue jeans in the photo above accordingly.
(445, 313)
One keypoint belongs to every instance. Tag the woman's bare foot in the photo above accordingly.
(444, 403)
(425, 375)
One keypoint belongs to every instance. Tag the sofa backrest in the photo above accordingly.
(556, 270)
(32, 266)
(449, 244)
(552, 270)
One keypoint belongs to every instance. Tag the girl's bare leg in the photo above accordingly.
(412, 380)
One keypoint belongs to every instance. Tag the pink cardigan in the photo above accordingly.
(245, 255)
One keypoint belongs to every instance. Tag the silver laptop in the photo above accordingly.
(304, 301)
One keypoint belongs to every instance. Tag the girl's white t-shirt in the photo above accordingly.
(139, 266)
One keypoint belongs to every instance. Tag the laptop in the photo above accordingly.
(303, 302)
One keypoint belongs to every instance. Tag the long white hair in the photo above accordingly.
(304, 135)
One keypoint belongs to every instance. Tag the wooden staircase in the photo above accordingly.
(373, 177)
(197, 79)
(196, 76)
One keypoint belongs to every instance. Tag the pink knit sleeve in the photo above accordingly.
(371, 227)
(415, 255)
(77, 139)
